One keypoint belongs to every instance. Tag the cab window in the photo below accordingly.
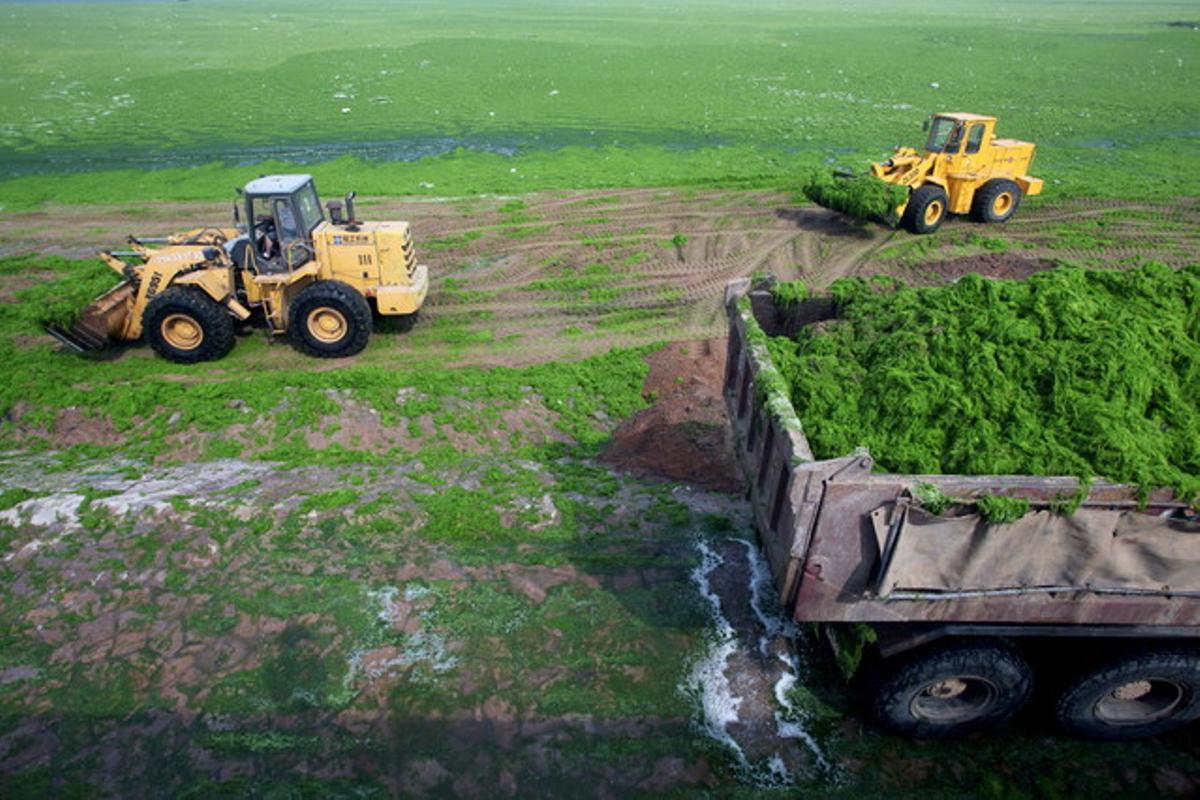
(309, 208)
(260, 207)
(285, 220)
(955, 142)
(975, 139)
(940, 134)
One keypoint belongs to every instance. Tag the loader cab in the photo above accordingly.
(282, 211)
(958, 134)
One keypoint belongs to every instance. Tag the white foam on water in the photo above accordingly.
(760, 578)
(777, 771)
(706, 679)
(788, 724)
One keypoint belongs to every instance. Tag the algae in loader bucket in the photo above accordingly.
(863, 197)
(82, 309)
(1083, 372)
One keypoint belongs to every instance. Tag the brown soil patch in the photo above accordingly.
(11, 284)
(990, 265)
(70, 427)
(685, 436)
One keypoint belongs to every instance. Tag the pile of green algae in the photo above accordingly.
(1078, 372)
(863, 197)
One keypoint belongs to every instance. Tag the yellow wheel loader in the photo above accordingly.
(317, 280)
(963, 169)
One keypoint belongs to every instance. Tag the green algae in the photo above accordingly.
(932, 498)
(1000, 510)
(58, 302)
(789, 294)
(862, 196)
(995, 509)
(1091, 373)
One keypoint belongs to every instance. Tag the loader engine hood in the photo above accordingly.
(369, 253)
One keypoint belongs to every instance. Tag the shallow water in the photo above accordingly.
(750, 661)
(16, 162)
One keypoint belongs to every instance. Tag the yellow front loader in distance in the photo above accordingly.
(283, 263)
(964, 169)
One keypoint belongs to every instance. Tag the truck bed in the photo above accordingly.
(849, 544)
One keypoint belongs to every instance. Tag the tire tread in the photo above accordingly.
(219, 334)
(890, 700)
(1074, 706)
(338, 294)
(981, 204)
(914, 213)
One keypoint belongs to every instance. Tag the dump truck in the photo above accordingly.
(947, 621)
(963, 169)
(282, 263)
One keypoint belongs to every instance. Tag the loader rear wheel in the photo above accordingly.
(926, 209)
(330, 319)
(186, 326)
(952, 689)
(1138, 695)
(996, 201)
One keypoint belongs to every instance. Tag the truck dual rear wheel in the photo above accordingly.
(996, 201)
(329, 319)
(926, 209)
(1138, 695)
(184, 325)
(952, 689)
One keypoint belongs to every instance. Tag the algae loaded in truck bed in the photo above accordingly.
(1078, 372)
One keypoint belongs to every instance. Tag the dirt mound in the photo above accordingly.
(990, 265)
(685, 435)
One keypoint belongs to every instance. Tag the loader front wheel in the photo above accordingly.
(996, 201)
(329, 319)
(926, 209)
(186, 326)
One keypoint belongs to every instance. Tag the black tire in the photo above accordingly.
(926, 210)
(952, 689)
(996, 201)
(347, 313)
(1137, 695)
(186, 326)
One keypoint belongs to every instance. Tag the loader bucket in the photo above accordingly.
(860, 196)
(100, 323)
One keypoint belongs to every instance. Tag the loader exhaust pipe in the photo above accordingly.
(351, 220)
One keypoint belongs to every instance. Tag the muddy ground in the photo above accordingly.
(457, 611)
(526, 280)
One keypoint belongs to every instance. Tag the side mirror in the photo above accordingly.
(237, 212)
(925, 124)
